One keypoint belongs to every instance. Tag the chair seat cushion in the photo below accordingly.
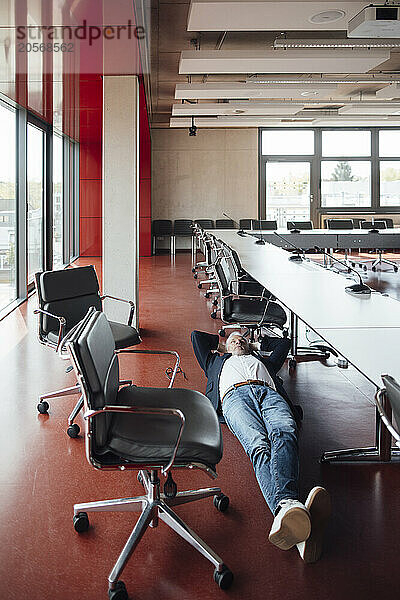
(151, 438)
(247, 311)
(124, 335)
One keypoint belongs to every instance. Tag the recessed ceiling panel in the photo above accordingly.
(235, 108)
(210, 91)
(281, 61)
(360, 109)
(228, 15)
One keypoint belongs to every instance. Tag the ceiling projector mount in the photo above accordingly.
(376, 21)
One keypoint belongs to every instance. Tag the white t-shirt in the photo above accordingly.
(241, 368)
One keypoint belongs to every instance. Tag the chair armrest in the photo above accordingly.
(62, 323)
(177, 362)
(379, 396)
(131, 304)
(174, 412)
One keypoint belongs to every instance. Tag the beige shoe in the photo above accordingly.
(291, 525)
(319, 505)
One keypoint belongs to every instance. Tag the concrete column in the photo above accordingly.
(120, 193)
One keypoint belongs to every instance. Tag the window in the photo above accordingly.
(389, 142)
(345, 183)
(389, 180)
(58, 202)
(35, 199)
(346, 143)
(8, 205)
(305, 174)
(288, 142)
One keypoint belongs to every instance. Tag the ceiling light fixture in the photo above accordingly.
(301, 82)
(335, 43)
(327, 16)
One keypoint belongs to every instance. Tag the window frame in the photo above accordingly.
(316, 210)
(71, 199)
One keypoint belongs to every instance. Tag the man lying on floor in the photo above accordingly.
(245, 386)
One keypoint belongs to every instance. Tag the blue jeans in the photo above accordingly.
(263, 423)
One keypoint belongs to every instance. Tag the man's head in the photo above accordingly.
(237, 344)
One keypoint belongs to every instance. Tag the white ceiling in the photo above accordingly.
(217, 59)
(228, 15)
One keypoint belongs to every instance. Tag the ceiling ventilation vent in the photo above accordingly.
(327, 16)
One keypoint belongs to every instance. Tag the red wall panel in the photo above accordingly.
(90, 164)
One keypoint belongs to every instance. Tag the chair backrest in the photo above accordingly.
(258, 225)
(339, 223)
(67, 293)
(299, 225)
(161, 227)
(205, 223)
(183, 227)
(245, 223)
(393, 394)
(224, 224)
(373, 225)
(93, 355)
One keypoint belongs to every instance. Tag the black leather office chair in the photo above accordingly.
(161, 228)
(262, 225)
(245, 223)
(302, 225)
(243, 311)
(64, 298)
(377, 224)
(388, 402)
(225, 224)
(151, 430)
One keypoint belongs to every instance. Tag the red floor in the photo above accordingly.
(43, 472)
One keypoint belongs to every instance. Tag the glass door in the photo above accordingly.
(287, 191)
(35, 200)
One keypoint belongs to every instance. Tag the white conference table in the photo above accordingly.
(316, 295)
(332, 238)
(363, 329)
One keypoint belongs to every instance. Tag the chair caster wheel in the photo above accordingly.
(43, 407)
(81, 522)
(223, 578)
(221, 332)
(207, 295)
(193, 270)
(73, 430)
(353, 264)
(395, 269)
(213, 315)
(292, 363)
(215, 302)
(365, 268)
(221, 502)
(119, 592)
(373, 269)
(199, 286)
(195, 276)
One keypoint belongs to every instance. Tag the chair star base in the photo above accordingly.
(155, 505)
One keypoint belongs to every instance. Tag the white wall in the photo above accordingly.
(203, 176)
(120, 193)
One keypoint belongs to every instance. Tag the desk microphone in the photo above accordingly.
(260, 240)
(355, 289)
(240, 231)
(294, 257)
(294, 228)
